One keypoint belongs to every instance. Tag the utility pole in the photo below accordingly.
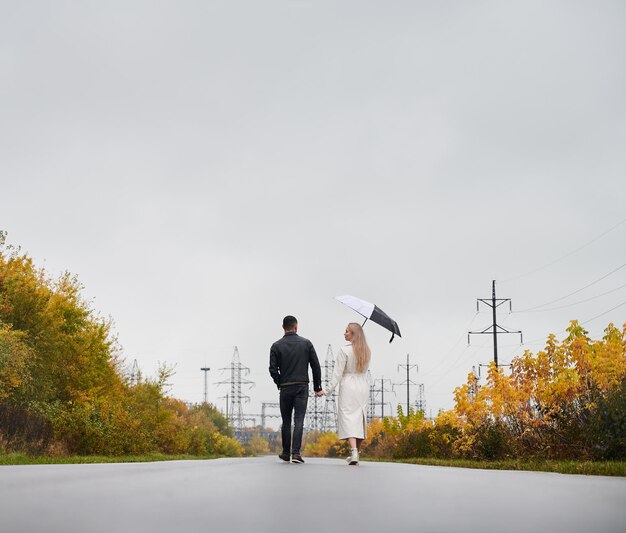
(329, 417)
(321, 412)
(382, 394)
(420, 403)
(135, 375)
(206, 371)
(237, 398)
(474, 386)
(408, 381)
(494, 329)
(314, 418)
(372, 398)
(374, 392)
(264, 415)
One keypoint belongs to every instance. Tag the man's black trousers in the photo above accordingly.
(293, 400)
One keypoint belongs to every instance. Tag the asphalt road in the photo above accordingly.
(264, 494)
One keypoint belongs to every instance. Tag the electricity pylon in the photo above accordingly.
(329, 417)
(494, 329)
(206, 387)
(408, 381)
(237, 398)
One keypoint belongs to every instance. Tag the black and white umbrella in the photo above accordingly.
(371, 312)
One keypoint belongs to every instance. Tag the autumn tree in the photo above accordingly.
(62, 387)
(548, 404)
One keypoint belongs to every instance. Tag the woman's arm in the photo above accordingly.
(340, 366)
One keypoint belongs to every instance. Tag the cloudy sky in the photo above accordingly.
(207, 167)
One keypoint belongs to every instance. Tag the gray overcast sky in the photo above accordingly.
(207, 167)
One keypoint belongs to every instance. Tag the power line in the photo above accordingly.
(572, 293)
(460, 359)
(575, 303)
(566, 255)
(452, 348)
(535, 341)
(602, 314)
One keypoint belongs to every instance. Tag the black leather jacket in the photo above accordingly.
(290, 358)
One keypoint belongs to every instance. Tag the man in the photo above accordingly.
(290, 358)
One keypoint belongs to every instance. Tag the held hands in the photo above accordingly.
(320, 393)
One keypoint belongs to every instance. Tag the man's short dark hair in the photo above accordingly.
(289, 322)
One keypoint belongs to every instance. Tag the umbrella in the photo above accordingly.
(371, 312)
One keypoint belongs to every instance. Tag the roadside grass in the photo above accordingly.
(589, 468)
(24, 459)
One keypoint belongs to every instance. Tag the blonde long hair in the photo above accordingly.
(360, 348)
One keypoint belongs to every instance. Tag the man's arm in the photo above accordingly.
(315, 367)
(275, 366)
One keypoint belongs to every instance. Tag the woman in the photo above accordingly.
(350, 374)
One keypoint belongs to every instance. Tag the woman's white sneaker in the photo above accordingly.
(354, 457)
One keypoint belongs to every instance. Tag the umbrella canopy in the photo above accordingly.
(371, 312)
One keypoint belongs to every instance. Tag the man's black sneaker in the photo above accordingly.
(284, 457)
(297, 458)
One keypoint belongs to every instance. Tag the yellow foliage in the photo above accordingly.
(257, 446)
(325, 444)
(14, 356)
(50, 335)
(544, 393)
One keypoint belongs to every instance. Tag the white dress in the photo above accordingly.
(353, 395)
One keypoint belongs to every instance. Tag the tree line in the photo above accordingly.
(63, 389)
(567, 401)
